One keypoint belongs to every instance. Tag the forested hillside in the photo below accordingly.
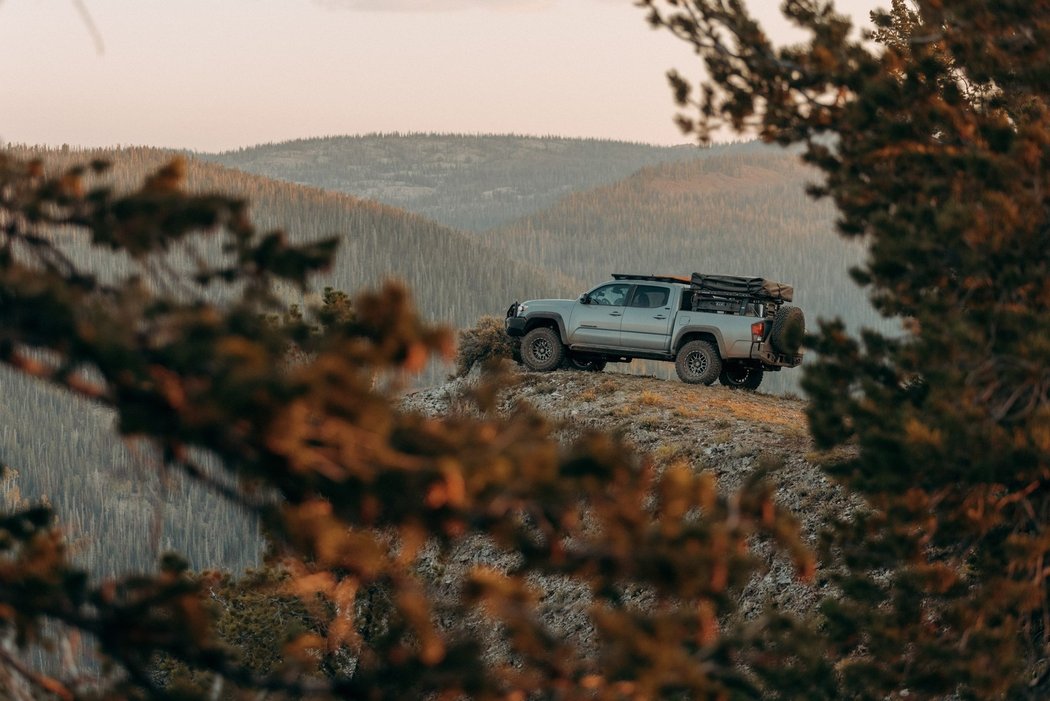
(468, 182)
(106, 492)
(454, 277)
(118, 514)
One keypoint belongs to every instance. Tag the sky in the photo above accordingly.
(211, 75)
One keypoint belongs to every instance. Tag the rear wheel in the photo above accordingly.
(585, 363)
(541, 349)
(739, 376)
(698, 363)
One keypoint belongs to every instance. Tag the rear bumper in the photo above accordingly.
(773, 360)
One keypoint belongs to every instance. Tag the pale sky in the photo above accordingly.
(220, 74)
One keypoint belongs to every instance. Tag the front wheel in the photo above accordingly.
(541, 349)
(738, 376)
(698, 363)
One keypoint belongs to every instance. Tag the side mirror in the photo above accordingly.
(585, 298)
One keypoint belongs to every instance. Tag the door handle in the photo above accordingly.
(615, 314)
(660, 316)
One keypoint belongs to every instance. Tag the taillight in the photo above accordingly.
(758, 330)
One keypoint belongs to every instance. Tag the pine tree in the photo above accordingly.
(934, 147)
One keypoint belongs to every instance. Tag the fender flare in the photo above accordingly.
(556, 318)
(713, 331)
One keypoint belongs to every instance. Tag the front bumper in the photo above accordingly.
(515, 326)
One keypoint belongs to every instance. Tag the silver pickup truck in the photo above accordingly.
(722, 327)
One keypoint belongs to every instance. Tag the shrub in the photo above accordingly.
(487, 342)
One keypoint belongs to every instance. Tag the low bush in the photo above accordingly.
(486, 342)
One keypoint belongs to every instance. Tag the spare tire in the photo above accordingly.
(789, 330)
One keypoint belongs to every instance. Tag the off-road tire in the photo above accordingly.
(740, 376)
(541, 349)
(584, 363)
(698, 363)
(789, 330)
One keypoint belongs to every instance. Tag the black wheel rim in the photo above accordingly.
(738, 376)
(696, 362)
(542, 349)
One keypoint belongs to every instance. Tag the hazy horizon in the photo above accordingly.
(211, 77)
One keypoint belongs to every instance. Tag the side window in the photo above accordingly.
(615, 294)
(650, 296)
(658, 296)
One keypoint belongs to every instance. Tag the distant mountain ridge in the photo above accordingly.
(467, 182)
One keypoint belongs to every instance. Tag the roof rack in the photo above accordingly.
(651, 278)
(724, 286)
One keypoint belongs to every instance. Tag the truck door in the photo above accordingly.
(598, 322)
(647, 318)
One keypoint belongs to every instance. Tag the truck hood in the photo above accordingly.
(560, 306)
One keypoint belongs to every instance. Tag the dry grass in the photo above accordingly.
(648, 398)
(688, 412)
(668, 453)
(721, 437)
(693, 402)
(667, 411)
(588, 395)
